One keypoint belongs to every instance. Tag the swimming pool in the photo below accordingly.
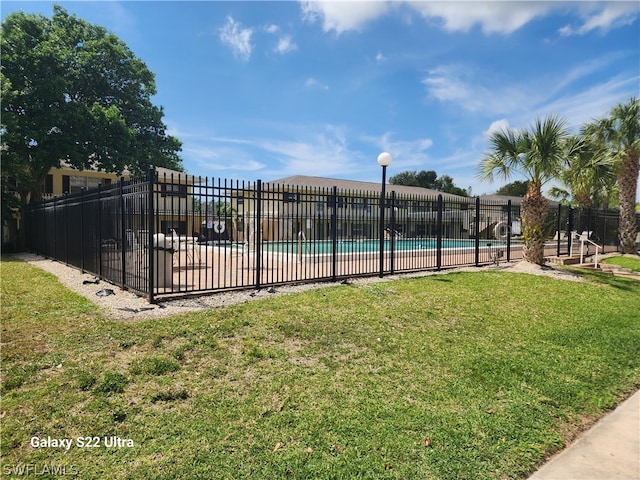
(321, 247)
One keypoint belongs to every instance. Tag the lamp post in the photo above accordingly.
(384, 160)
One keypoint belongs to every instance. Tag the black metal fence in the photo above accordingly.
(167, 235)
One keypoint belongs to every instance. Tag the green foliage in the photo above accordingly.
(617, 143)
(514, 189)
(536, 153)
(428, 179)
(73, 91)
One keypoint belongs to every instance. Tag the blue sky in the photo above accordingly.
(265, 90)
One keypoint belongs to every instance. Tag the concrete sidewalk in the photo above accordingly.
(609, 450)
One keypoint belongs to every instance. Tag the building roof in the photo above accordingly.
(502, 199)
(356, 185)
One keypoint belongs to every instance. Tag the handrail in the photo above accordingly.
(582, 240)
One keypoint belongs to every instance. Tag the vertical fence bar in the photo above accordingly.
(558, 229)
(439, 233)
(55, 228)
(100, 241)
(570, 231)
(65, 212)
(122, 235)
(257, 229)
(393, 231)
(476, 232)
(509, 231)
(334, 232)
(151, 271)
(82, 230)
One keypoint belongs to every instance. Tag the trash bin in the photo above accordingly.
(163, 260)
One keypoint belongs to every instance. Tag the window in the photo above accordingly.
(360, 203)
(173, 190)
(48, 184)
(290, 197)
(75, 183)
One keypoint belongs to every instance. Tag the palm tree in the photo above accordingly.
(589, 175)
(537, 154)
(619, 134)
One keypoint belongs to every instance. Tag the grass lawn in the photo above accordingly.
(627, 261)
(457, 376)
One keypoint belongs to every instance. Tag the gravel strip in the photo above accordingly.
(124, 305)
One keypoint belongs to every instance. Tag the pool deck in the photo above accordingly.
(213, 268)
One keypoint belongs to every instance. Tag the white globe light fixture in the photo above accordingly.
(384, 160)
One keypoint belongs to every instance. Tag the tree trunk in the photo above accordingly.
(534, 213)
(627, 188)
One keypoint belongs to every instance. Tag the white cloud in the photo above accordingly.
(406, 154)
(238, 38)
(604, 17)
(221, 156)
(501, 125)
(272, 29)
(324, 153)
(342, 16)
(313, 83)
(285, 45)
(489, 94)
(491, 16)
(594, 102)
(476, 91)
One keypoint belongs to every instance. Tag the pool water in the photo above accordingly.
(365, 246)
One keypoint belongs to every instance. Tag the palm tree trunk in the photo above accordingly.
(534, 212)
(627, 188)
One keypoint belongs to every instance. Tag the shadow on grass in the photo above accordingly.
(622, 283)
(10, 258)
(442, 279)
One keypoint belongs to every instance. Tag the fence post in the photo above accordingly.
(558, 229)
(393, 231)
(151, 175)
(477, 232)
(439, 237)
(55, 228)
(334, 233)
(123, 226)
(569, 230)
(605, 217)
(258, 235)
(100, 231)
(509, 231)
(82, 230)
(65, 211)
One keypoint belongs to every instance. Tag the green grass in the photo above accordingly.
(626, 261)
(457, 376)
